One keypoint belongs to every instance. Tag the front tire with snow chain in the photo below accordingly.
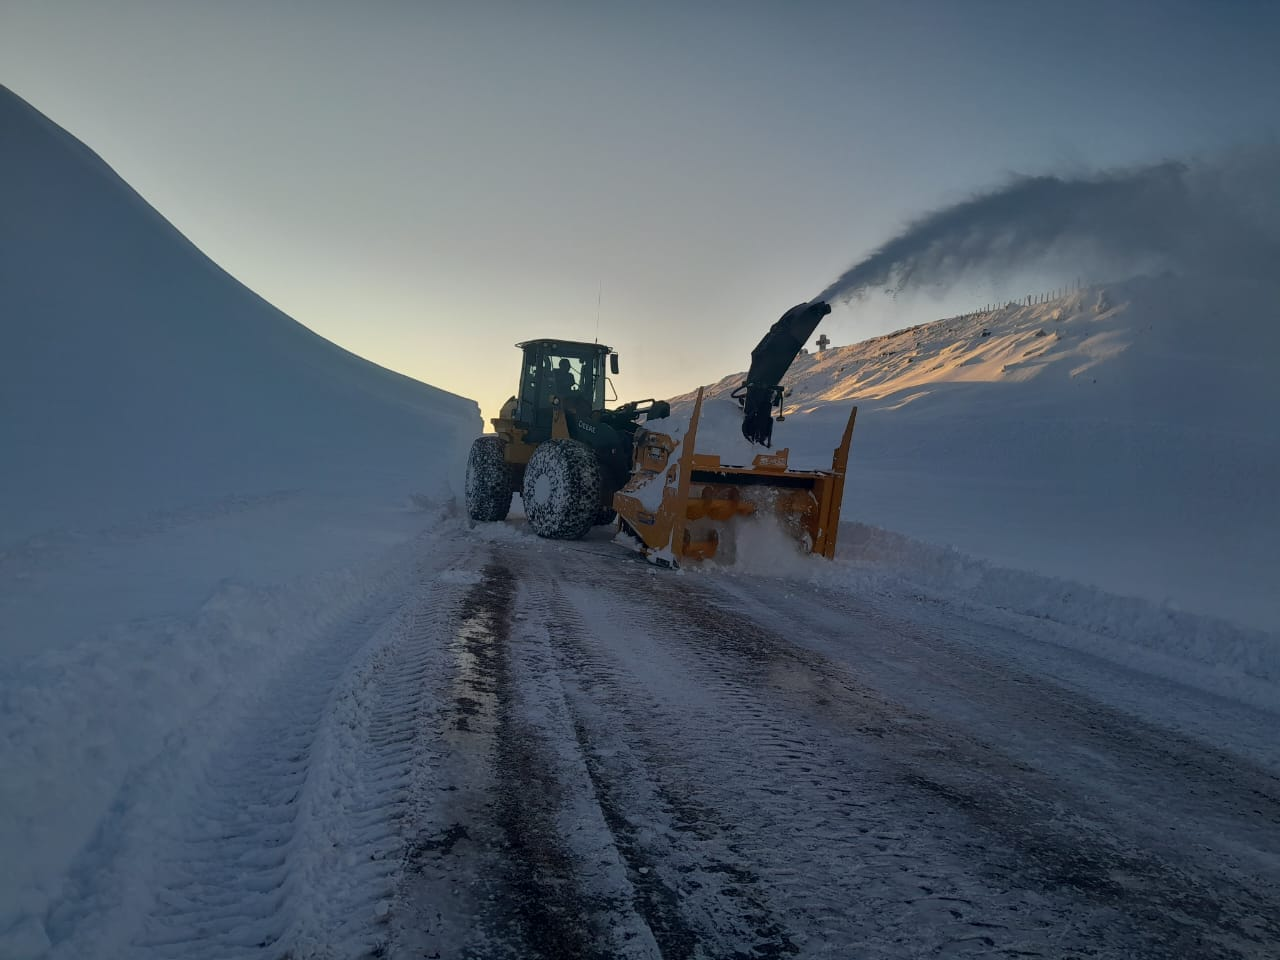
(562, 490)
(488, 486)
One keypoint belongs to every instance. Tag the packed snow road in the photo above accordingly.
(526, 749)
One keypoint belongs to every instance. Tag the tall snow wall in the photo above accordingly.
(137, 376)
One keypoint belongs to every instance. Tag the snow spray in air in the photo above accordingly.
(1221, 215)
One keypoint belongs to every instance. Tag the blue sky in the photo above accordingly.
(428, 183)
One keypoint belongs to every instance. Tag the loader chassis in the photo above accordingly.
(555, 442)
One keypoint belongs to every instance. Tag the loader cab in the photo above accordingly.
(573, 372)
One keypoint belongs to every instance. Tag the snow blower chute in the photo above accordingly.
(686, 496)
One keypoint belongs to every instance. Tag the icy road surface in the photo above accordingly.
(527, 749)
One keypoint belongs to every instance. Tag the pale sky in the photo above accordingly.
(428, 183)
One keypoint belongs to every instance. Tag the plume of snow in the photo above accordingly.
(1220, 215)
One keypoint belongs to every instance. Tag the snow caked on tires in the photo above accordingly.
(488, 485)
(562, 490)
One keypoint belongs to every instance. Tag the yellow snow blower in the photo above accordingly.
(680, 503)
(576, 464)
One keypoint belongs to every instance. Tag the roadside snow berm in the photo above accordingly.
(683, 501)
(679, 487)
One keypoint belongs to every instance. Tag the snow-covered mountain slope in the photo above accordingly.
(135, 375)
(193, 488)
(1123, 437)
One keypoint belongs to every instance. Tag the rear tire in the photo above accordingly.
(488, 488)
(561, 490)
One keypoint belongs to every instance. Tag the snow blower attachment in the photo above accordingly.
(682, 501)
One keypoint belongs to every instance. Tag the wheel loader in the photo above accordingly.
(577, 463)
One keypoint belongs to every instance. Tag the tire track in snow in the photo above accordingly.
(499, 869)
(290, 840)
(850, 854)
(227, 882)
(693, 885)
(764, 799)
(1105, 741)
(364, 791)
(646, 764)
(645, 875)
(1080, 784)
(1036, 830)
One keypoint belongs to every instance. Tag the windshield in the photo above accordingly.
(555, 371)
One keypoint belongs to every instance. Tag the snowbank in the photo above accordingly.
(81, 726)
(1207, 653)
(1153, 639)
(195, 489)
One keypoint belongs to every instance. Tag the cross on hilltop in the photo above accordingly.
(823, 343)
